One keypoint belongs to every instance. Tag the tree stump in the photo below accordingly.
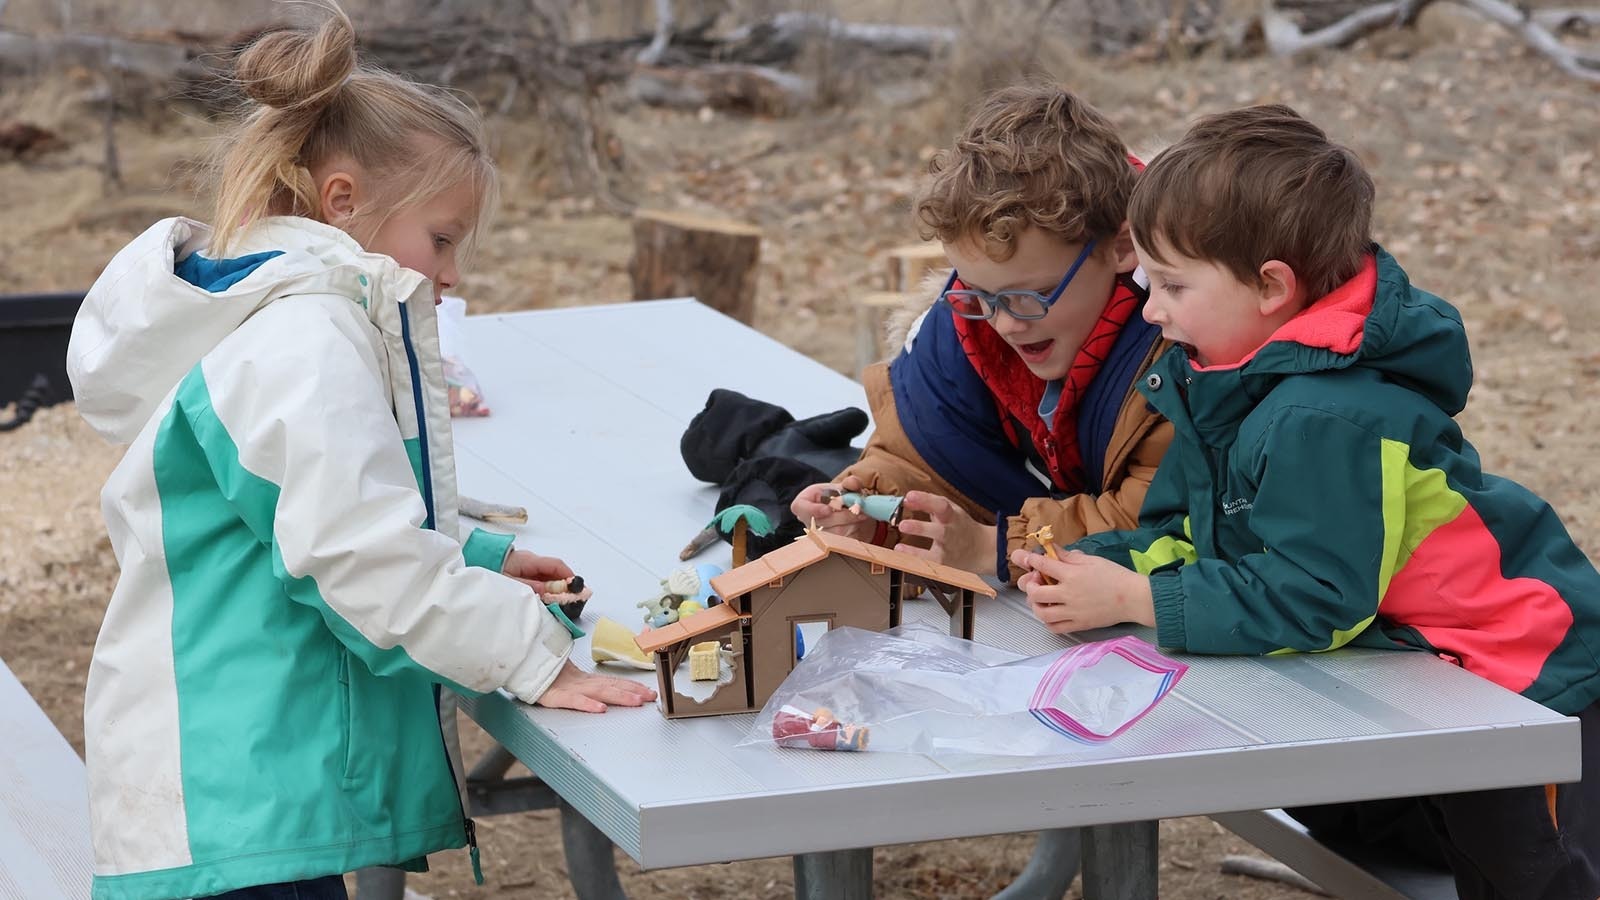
(684, 255)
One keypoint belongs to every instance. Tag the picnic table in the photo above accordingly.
(589, 405)
(44, 804)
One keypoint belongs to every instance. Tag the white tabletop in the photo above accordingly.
(588, 407)
(44, 804)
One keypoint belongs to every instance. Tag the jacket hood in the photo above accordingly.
(1377, 320)
(142, 325)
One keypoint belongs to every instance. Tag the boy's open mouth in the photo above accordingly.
(1035, 352)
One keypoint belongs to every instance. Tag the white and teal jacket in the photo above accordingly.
(264, 702)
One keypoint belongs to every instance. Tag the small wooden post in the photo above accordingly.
(684, 255)
(908, 265)
(904, 269)
(741, 538)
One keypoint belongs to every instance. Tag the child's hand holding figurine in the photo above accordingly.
(1078, 592)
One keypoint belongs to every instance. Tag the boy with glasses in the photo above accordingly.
(1012, 405)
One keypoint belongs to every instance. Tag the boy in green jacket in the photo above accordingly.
(1319, 493)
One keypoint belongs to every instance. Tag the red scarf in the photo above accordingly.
(1017, 391)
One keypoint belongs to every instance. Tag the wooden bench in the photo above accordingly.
(44, 804)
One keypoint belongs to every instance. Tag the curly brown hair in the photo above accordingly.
(1033, 155)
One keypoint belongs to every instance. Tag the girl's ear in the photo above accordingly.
(336, 197)
(1280, 288)
(1124, 256)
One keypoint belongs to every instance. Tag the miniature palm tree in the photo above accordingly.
(741, 519)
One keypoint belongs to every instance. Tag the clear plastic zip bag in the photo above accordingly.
(466, 396)
(917, 690)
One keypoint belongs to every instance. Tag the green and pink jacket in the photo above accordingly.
(1320, 493)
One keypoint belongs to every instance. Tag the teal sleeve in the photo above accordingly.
(487, 549)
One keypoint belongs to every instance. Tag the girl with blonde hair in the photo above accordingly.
(264, 707)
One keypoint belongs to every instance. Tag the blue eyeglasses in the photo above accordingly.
(974, 304)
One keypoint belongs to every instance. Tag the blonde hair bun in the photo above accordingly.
(298, 68)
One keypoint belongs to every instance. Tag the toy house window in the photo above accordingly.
(806, 634)
(878, 569)
(776, 582)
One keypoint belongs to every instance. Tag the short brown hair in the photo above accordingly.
(1033, 155)
(1257, 184)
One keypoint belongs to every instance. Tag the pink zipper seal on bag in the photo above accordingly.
(1083, 656)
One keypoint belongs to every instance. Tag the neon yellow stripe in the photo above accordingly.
(1416, 502)
(1165, 550)
(1429, 503)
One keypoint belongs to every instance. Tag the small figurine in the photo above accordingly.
(684, 586)
(1045, 537)
(658, 610)
(568, 593)
(614, 643)
(880, 507)
(818, 730)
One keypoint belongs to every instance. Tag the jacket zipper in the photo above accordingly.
(459, 782)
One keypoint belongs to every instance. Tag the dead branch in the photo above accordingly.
(1285, 38)
(1558, 20)
(658, 43)
(1581, 65)
(1269, 870)
(35, 53)
(735, 88)
(795, 27)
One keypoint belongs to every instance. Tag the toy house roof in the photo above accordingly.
(815, 546)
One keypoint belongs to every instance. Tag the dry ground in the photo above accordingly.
(1489, 191)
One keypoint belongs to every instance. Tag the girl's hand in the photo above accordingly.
(958, 539)
(587, 692)
(1089, 592)
(529, 568)
(808, 506)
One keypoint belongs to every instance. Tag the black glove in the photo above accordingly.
(762, 456)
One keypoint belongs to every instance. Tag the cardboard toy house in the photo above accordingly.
(776, 605)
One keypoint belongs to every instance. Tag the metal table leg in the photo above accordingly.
(1119, 861)
(1055, 861)
(834, 875)
(591, 864)
(380, 883)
